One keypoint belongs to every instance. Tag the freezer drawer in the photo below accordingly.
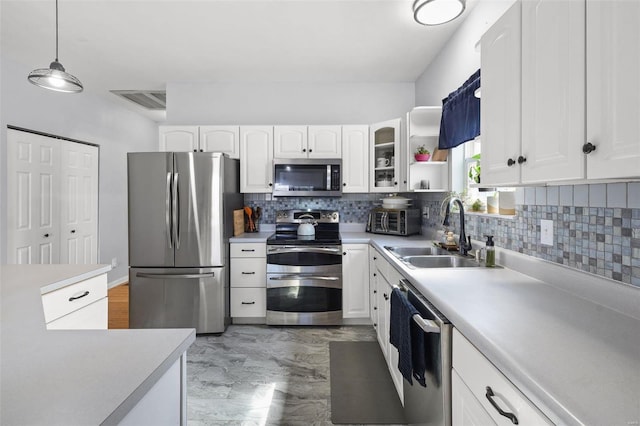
(179, 298)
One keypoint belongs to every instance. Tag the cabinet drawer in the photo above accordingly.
(249, 272)
(248, 302)
(91, 317)
(478, 373)
(73, 297)
(248, 250)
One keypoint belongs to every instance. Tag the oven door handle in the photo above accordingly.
(295, 277)
(287, 249)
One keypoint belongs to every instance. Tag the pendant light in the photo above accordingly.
(436, 12)
(55, 77)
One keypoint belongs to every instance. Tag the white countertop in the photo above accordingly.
(578, 361)
(67, 377)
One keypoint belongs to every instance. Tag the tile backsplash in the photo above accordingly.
(596, 227)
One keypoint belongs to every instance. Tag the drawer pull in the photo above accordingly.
(248, 303)
(248, 273)
(250, 250)
(72, 298)
(510, 416)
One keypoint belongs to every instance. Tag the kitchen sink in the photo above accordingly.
(440, 261)
(415, 251)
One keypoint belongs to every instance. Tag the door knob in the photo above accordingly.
(588, 148)
(521, 159)
(510, 162)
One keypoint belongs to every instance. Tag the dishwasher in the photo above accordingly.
(430, 405)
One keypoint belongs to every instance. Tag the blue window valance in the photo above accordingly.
(460, 120)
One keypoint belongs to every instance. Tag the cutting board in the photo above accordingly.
(238, 222)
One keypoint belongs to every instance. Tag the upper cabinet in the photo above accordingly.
(355, 158)
(533, 59)
(387, 172)
(223, 139)
(256, 159)
(613, 89)
(307, 142)
(423, 130)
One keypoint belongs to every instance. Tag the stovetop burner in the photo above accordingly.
(287, 222)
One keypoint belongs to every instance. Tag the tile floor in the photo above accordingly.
(259, 375)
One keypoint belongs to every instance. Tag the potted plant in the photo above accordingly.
(474, 170)
(422, 154)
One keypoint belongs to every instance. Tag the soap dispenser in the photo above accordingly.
(490, 258)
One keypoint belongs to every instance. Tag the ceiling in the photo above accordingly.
(144, 44)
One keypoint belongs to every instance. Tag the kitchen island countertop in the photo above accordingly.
(72, 376)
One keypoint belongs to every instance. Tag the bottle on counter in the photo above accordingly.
(490, 255)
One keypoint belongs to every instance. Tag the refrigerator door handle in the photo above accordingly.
(176, 212)
(174, 276)
(168, 211)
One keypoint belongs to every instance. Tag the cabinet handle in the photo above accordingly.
(588, 148)
(395, 183)
(72, 298)
(247, 250)
(46, 235)
(375, 275)
(344, 253)
(248, 303)
(310, 150)
(73, 231)
(270, 184)
(195, 150)
(375, 308)
(386, 296)
(508, 415)
(248, 273)
(510, 162)
(304, 150)
(344, 184)
(375, 258)
(375, 291)
(522, 159)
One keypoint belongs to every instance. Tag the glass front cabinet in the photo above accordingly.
(387, 173)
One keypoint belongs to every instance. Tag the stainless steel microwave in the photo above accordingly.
(307, 177)
(394, 221)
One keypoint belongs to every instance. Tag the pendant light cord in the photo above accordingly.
(56, 30)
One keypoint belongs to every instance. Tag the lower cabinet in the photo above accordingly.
(80, 305)
(355, 283)
(480, 392)
(248, 282)
(381, 316)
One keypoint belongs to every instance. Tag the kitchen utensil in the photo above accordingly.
(308, 228)
(248, 211)
(238, 222)
(382, 162)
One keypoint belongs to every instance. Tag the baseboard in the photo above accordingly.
(119, 281)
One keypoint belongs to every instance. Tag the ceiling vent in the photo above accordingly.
(148, 99)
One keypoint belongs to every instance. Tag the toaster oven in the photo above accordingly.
(394, 221)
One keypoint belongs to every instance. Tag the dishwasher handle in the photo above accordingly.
(427, 325)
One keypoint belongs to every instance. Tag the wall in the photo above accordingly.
(86, 117)
(596, 226)
(287, 103)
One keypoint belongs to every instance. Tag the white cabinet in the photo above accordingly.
(386, 165)
(382, 309)
(248, 281)
(223, 139)
(80, 305)
(613, 89)
(256, 159)
(553, 90)
(355, 284)
(307, 142)
(290, 142)
(423, 130)
(52, 199)
(501, 100)
(474, 377)
(325, 142)
(355, 159)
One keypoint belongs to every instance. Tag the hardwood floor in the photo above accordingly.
(119, 307)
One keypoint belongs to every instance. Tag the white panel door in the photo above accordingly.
(501, 99)
(179, 138)
(355, 274)
(290, 142)
(256, 159)
(355, 159)
(32, 198)
(325, 141)
(613, 88)
(79, 203)
(465, 407)
(225, 139)
(553, 90)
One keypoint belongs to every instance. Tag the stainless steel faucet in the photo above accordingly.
(464, 245)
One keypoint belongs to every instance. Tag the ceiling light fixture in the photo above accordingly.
(55, 77)
(436, 12)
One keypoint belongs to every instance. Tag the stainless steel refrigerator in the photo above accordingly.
(180, 220)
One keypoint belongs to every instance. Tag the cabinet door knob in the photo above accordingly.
(510, 162)
(310, 150)
(386, 296)
(270, 184)
(344, 184)
(73, 231)
(304, 150)
(522, 159)
(588, 148)
(344, 253)
(46, 235)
